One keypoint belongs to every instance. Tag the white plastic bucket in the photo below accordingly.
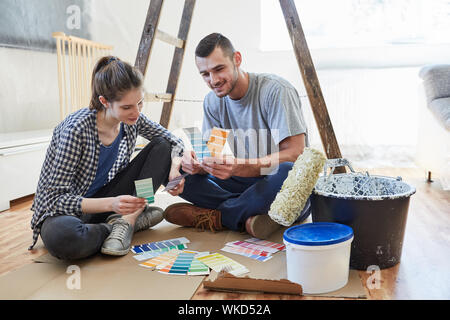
(319, 261)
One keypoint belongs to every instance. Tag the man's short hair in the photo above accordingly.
(210, 42)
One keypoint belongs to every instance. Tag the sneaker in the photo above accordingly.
(150, 217)
(261, 226)
(188, 215)
(118, 243)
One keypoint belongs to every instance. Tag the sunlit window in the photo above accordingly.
(359, 23)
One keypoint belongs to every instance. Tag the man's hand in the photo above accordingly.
(179, 187)
(220, 167)
(190, 163)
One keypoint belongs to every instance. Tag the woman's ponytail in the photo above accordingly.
(112, 78)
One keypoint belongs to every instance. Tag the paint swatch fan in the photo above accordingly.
(211, 148)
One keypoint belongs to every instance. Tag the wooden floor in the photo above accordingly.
(423, 273)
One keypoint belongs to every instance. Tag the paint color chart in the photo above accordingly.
(266, 243)
(217, 141)
(254, 254)
(198, 268)
(172, 257)
(198, 144)
(162, 259)
(180, 265)
(144, 189)
(173, 183)
(160, 245)
(219, 262)
(154, 253)
(254, 248)
(244, 244)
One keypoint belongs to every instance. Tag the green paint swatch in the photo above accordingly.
(144, 189)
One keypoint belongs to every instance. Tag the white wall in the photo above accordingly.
(383, 99)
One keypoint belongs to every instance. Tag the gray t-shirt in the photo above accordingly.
(269, 112)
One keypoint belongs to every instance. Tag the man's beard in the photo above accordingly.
(233, 83)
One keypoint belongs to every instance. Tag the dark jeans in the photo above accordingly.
(238, 198)
(68, 237)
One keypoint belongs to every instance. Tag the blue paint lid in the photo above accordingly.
(318, 234)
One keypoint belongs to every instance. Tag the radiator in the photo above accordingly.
(21, 157)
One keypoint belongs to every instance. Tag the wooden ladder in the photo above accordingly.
(301, 50)
(149, 34)
(311, 82)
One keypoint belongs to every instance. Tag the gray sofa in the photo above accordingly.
(434, 123)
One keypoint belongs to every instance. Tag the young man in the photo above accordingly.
(264, 116)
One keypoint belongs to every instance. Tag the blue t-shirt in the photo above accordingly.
(106, 159)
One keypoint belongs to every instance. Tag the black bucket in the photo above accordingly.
(375, 207)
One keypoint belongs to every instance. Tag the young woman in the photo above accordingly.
(85, 200)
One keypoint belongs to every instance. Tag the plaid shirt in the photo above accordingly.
(71, 161)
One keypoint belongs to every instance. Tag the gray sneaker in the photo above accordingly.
(118, 243)
(150, 217)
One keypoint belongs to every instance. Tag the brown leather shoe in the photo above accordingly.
(261, 226)
(188, 215)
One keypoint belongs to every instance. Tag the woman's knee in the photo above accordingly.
(161, 144)
(65, 238)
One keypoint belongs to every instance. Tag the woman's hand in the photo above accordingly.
(126, 204)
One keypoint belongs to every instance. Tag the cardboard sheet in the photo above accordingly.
(107, 277)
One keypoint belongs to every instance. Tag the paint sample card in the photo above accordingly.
(250, 253)
(154, 253)
(266, 243)
(162, 259)
(144, 189)
(158, 245)
(173, 183)
(219, 262)
(198, 268)
(243, 244)
(181, 264)
(217, 141)
(198, 144)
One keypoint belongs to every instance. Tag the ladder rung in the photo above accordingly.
(161, 35)
(158, 97)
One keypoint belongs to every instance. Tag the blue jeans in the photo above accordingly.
(238, 198)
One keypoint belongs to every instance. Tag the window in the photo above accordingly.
(359, 23)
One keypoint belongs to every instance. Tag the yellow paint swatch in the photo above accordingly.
(219, 262)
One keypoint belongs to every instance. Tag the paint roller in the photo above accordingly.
(298, 186)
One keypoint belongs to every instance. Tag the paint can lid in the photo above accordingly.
(318, 234)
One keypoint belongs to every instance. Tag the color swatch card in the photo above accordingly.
(243, 244)
(217, 141)
(165, 244)
(266, 243)
(198, 268)
(251, 253)
(173, 183)
(180, 266)
(144, 189)
(162, 259)
(198, 144)
(154, 253)
(219, 262)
